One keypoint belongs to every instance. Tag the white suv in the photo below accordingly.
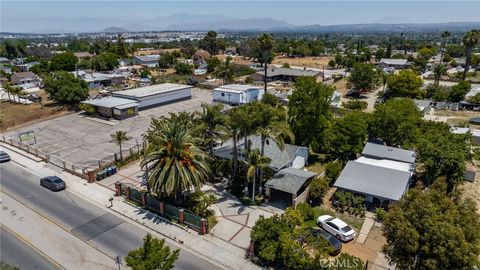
(336, 227)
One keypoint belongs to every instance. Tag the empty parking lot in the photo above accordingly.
(83, 140)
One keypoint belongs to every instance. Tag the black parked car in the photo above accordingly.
(332, 240)
(4, 157)
(53, 183)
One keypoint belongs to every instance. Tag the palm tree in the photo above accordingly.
(445, 36)
(231, 129)
(225, 71)
(438, 71)
(255, 161)
(470, 40)
(211, 118)
(16, 91)
(265, 44)
(176, 164)
(120, 137)
(8, 89)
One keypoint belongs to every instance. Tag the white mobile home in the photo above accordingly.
(237, 94)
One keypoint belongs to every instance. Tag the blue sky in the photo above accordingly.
(295, 12)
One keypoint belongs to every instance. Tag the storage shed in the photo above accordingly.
(237, 94)
(155, 95)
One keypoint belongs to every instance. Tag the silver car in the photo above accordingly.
(336, 227)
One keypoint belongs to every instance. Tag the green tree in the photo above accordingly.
(332, 63)
(154, 254)
(309, 112)
(445, 35)
(119, 137)
(265, 46)
(349, 134)
(255, 162)
(380, 54)
(200, 201)
(426, 53)
(395, 121)
(405, 84)
(362, 77)
(225, 71)
(167, 60)
(458, 91)
(355, 104)
(232, 129)
(426, 227)
(470, 40)
(175, 163)
(442, 153)
(211, 119)
(64, 61)
(212, 64)
(475, 99)
(438, 71)
(265, 235)
(183, 69)
(211, 43)
(121, 47)
(65, 88)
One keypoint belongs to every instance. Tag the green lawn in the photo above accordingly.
(319, 210)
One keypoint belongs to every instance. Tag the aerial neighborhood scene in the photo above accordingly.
(243, 135)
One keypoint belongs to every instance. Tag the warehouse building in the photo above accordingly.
(123, 104)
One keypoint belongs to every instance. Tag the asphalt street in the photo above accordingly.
(16, 252)
(112, 235)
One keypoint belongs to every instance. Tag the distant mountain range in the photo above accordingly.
(189, 22)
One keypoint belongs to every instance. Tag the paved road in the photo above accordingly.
(107, 232)
(17, 253)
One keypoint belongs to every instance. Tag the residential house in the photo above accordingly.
(146, 60)
(382, 174)
(286, 74)
(394, 63)
(25, 80)
(100, 79)
(237, 94)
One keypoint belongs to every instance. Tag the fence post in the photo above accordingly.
(64, 164)
(28, 148)
(36, 152)
(181, 216)
(143, 198)
(131, 151)
(115, 157)
(118, 189)
(47, 158)
(162, 208)
(127, 193)
(203, 226)
(99, 164)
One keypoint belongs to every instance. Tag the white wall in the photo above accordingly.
(228, 97)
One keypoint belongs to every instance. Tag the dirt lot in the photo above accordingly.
(370, 250)
(458, 116)
(15, 115)
(312, 62)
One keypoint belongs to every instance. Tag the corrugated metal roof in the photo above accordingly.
(373, 180)
(386, 152)
(390, 61)
(152, 90)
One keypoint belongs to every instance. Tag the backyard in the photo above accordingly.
(319, 62)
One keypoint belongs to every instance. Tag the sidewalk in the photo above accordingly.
(56, 243)
(217, 251)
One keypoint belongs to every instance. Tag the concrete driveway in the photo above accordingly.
(84, 140)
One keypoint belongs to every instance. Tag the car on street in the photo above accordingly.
(336, 227)
(332, 240)
(4, 157)
(53, 183)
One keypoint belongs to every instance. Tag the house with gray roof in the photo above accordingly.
(291, 182)
(395, 63)
(291, 156)
(286, 74)
(382, 174)
(146, 60)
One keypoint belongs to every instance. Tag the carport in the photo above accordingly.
(293, 185)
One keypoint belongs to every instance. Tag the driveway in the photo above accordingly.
(84, 141)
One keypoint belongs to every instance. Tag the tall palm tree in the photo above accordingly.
(231, 129)
(211, 118)
(255, 161)
(265, 44)
(445, 36)
(119, 138)
(176, 164)
(8, 89)
(225, 71)
(438, 71)
(470, 40)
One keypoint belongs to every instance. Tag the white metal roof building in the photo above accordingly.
(237, 94)
(155, 95)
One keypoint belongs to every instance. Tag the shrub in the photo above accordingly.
(319, 187)
(88, 108)
(293, 217)
(350, 203)
(380, 214)
(355, 105)
(305, 210)
(333, 170)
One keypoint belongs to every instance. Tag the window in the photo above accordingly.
(223, 94)
(332, 225)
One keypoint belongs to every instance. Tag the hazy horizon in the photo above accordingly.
(296, 13)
